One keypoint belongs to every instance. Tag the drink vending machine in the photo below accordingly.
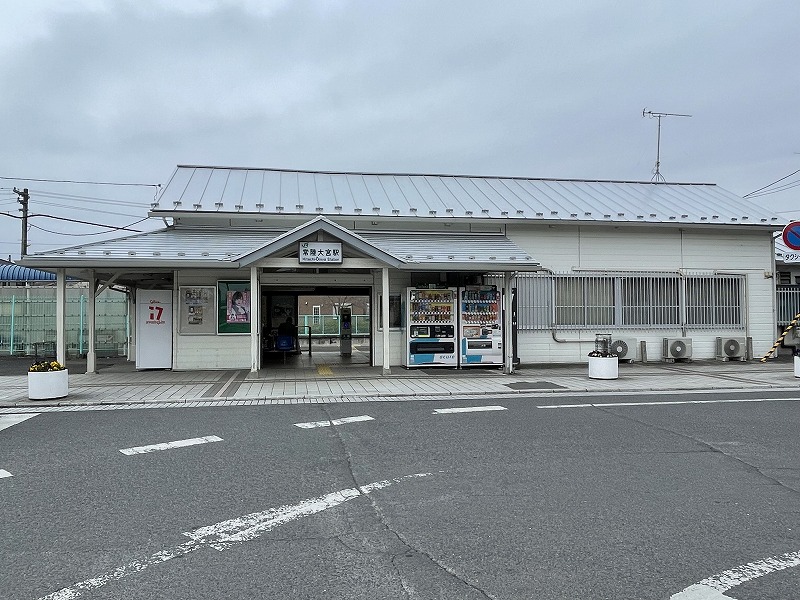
(431, 327)
(481, 325)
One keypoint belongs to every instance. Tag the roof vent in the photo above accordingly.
(640, 216)
(672, 217)
(197, 206)
(538, 214)
(449, 210)
(492, 258)
(181, 253)
(176, 204)
(204, 254)
(259, 206)
(319, 209)
(409, 256)
(653, 215)
(429, 257)
(131, 253)
(358, 210)
(468, 213)
(81, 251)
(298, 206)
(472, 258)
(154, 205)
(715, 216)
(504, 213)
(684, 216)
(156, 253)
(745, 218)
(412, 209)
(554, 212)
(570, 214)
(450, 257)
(395, 211)
(279, 208)
(620, 214)
(774, 219)
(376, 209)
(218, 204)
(107, 252)
(606, 216)
(734, 219)
(587, 214)
(432, 212)
(520, 212)
(485, 211)
(337, 208)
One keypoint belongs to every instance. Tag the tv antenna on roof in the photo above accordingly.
(657, 176)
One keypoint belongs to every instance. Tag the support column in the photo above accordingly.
(508, 346)
(255, 321)
(61, 312)
(91, 324)
(385, 319)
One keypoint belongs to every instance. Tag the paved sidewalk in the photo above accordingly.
(118, 383)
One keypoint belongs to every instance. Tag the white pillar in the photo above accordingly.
(508, 346)
(385, 318)
(91, 324)
(255, 321)
(61, 311)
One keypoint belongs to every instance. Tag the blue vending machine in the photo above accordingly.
(481, 326)
(431, 327)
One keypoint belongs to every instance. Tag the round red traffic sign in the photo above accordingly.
(791, 235)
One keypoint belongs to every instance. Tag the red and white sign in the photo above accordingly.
(154, 329)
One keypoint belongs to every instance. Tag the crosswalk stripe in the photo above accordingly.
(169, 445)
(313, 424)
(464, 409)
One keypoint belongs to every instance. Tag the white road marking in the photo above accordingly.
(4, 473)
(169, 445)
(224, 534)
(664, 403)
(712, 588)
(442, 411)
(313, 424)
(7, 421)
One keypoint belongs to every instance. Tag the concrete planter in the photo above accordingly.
(603, 367)
(46, 385)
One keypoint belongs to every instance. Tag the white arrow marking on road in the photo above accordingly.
(711, 588)
(7, 421)
(313, 424)
(4, 473)
(442, 411)
(169, 445)
(224, 534)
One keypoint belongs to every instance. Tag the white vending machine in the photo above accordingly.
(153, 329)
(481, 326)
(431, 327)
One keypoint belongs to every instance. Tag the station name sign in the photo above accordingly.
(320, 252)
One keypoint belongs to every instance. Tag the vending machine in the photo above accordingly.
(481, 326)
(431, 327)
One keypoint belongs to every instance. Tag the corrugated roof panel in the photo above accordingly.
(222, 189)
(455, 248)
(17, 273)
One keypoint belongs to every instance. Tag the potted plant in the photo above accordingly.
(47, 379)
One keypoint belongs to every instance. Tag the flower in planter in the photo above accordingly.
(601, 354)
(46, 365)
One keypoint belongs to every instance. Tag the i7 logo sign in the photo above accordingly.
(156, 312)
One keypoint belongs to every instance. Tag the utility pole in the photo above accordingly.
(24, 196)
(657, 176)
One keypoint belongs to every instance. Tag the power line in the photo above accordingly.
(155, 185)
(113, 227)
(771, 184)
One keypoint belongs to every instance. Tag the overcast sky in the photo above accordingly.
(123, 91)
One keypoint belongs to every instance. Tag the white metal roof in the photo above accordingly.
(215, 247)
(245, 191)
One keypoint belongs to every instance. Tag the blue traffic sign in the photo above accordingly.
(791, 235)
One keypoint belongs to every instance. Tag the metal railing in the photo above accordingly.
(321, 326)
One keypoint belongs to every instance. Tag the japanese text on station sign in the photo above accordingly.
(320, 252)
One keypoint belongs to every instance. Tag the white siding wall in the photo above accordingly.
(566, 248)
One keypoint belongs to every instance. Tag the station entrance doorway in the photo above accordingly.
(315, 327)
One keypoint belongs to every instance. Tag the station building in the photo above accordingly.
(658, 266)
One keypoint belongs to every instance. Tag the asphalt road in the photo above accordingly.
(612, 502)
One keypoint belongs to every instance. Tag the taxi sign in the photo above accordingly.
(791, 235)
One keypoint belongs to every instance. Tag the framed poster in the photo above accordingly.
(233, 307)
(196, 309)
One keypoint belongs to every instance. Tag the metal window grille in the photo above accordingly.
(788, 300)
(575, 301)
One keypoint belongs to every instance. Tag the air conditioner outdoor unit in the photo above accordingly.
(732, 348)
(792, 337)
(677, 349)
(624, 348)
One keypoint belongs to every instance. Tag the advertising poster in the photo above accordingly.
(233, 306)
(197, 310)
(238, 303)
